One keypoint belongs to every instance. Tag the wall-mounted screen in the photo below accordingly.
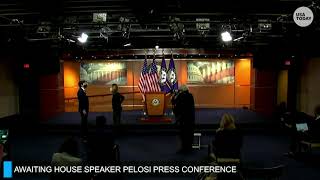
(104, 73)
(211, 72)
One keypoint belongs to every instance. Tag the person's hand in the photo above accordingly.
(84, 112)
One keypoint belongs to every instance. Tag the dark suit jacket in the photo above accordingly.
(83, 100)
(228, 143)
(184, 109)
(117, 100)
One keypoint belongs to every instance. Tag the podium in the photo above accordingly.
(155, 106)
(155, 103)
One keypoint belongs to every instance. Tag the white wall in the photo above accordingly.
(9, 94)
(309, 86)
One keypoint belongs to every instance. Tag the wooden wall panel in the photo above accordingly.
(52, 94)
(206, 96)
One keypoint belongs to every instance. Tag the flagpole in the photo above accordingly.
(143, 95)
(172, 94)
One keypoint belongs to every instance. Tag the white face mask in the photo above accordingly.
(85, 85)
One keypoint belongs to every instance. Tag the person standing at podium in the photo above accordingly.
(83, 107)
(184, 111)
(117, 100)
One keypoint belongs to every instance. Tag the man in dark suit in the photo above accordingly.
(83, 107)
(184, 111)
(117, 100)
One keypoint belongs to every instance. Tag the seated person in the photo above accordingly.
(310, 134)
(228, 139)
(67, 154)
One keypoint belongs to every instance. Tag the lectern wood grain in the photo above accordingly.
(155, 103)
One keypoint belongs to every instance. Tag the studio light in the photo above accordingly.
(83, 38)
(238, 39)
(105, 33)
(70, 40)
(127, 44)
(226, 36)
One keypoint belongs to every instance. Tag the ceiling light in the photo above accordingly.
(226, 36)
(83, 38)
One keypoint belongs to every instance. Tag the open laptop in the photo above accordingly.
(302, 127)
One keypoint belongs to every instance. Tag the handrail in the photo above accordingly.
(101, 95)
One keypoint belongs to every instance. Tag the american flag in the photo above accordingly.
(148, 81)
(143, 78)
(154, 78)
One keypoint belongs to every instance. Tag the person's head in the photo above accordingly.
(69, 146)
(183, 88)
(227, 122)
(82, 84)
(317, 110)
(114, 88)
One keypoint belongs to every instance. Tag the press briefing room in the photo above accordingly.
(171, 89)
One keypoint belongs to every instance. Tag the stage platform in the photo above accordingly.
(206, 120)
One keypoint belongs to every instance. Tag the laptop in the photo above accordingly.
(302, 127)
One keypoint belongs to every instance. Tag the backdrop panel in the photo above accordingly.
(104, 73)
(211, 72)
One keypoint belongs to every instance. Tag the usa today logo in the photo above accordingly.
(303, 16)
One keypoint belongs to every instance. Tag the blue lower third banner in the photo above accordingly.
(7, 169)
(135, 168)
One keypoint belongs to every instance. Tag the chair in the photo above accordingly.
(198, 144)
(273, 173)
(223, 160)
(235, 161)
(116, 153)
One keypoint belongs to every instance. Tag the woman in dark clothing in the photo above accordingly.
(228, 139)
(117, 100)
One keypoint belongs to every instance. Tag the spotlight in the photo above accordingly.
(157, 46)
(226, 36)
(83, 38)
(105, 33)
